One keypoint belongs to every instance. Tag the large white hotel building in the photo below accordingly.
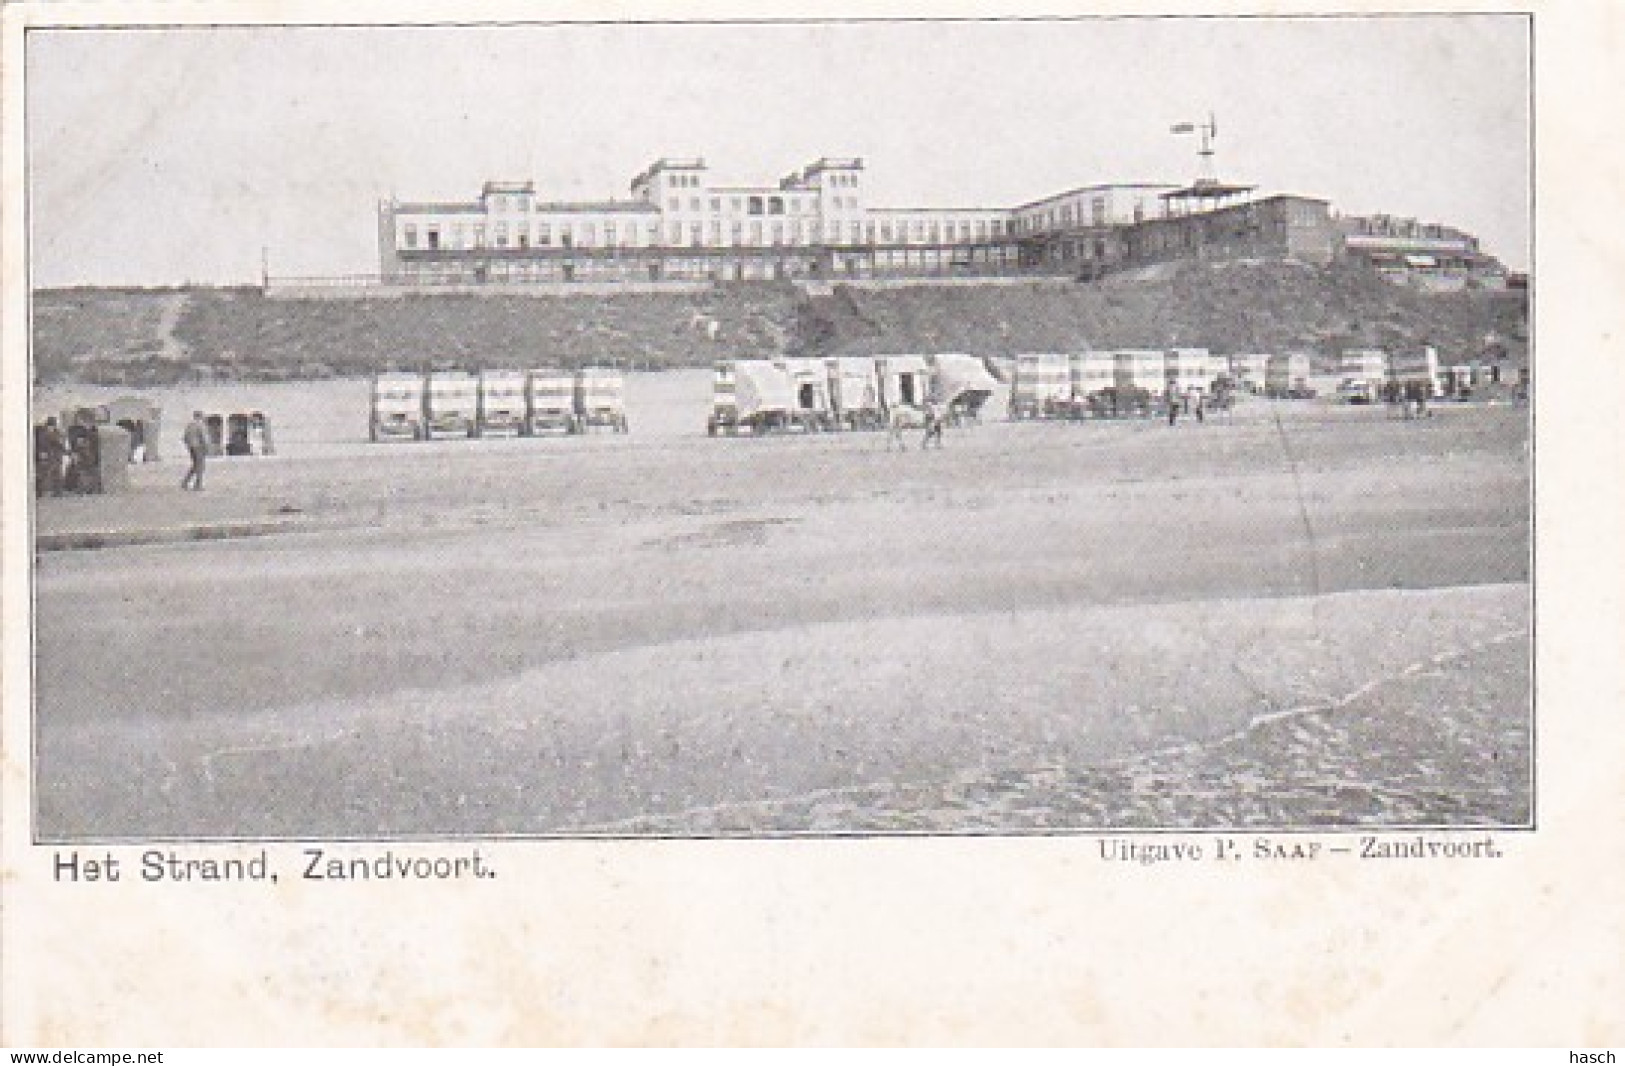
(814, 223)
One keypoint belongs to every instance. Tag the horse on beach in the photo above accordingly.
(901, 417)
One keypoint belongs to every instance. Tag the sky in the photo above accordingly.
(168, 156)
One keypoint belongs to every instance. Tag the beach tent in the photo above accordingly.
(762, 393)
(961, 381)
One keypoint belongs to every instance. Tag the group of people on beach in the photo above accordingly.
(66, 462)
(69, 461)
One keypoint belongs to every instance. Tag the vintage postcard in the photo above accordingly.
(533, 524)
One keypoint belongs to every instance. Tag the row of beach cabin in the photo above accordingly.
(1130, 381)
(858, 392)
(1082, 384)
(1367, 375)
(496, 403)
(843, 392)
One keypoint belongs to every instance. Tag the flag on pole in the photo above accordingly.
(1183, 127)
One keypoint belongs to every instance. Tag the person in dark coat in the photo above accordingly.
(50, 450)
(84, 459)
(196, 439)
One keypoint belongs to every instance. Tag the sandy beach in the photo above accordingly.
(1305, 615)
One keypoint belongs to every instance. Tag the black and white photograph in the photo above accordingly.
(867, 446)
(793, 428)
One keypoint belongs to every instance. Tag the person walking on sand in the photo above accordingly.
(1173, 403)
(196, 439)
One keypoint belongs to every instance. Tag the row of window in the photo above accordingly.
(1235, 232)
(749, 205)
(671, 268)
(692, 181)
(1067, 251)
(510, 203)
(1064, 215)
(778, 205)
(1388, 226)
(699, 269)
(760, 205)
(1072, 214)
(940, 257)
(930, 230)
(630, 234)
